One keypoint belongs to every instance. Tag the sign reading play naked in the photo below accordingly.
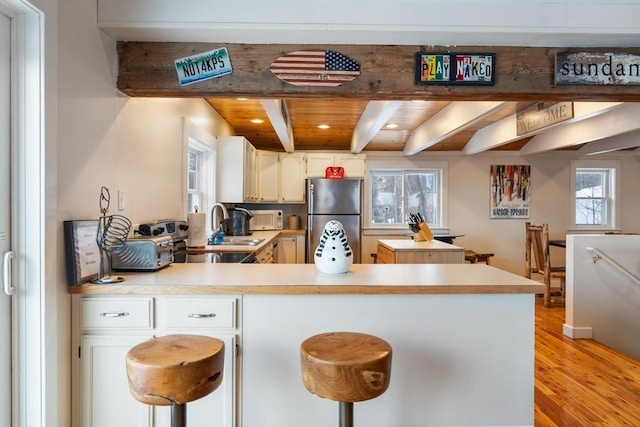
(593, 68)
(455, 68)
(203, 66)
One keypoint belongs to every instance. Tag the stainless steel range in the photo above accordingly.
(178, 230)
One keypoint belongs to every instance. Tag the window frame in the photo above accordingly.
(441, 172)
(612, 167)
(197, 139)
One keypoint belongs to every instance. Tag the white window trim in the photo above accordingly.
(207, 142)
(614, 221)
(443, 166)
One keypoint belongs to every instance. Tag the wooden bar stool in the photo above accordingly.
(174, 370)
(346, 367)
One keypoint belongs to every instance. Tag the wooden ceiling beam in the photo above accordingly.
(453, 118)
(615, 121)
(620, 142)
(278, 114)
(505, 131)
(373, 118)
(387, 73)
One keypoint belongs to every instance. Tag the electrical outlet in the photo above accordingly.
(120, 200)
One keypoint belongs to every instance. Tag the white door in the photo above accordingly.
(5, 237)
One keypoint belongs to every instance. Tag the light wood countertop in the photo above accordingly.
(215, 278)
(412, 245)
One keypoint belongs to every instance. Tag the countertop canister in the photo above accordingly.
(294, 222)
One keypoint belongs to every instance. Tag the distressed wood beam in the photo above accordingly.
(387, 73)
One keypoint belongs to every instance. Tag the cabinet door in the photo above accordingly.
(216, 409)
(250, 175)
(354, 165)
(269, 173)
(317, 164)
(106, 401)
(287, 250)
(292, 174)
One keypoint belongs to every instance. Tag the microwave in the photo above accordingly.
(266, 220)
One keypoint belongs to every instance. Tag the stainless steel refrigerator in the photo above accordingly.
(334, 199)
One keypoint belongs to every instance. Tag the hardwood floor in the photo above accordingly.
(581, 382)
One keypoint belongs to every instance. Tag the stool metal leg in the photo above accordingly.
(346, 414)
(178, 415)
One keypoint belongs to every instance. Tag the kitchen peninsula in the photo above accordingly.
(462, 338)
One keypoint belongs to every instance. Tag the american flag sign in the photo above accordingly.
(315, 68)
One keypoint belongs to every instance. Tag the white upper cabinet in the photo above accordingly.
(292, 175)
(268, 176)
(237, 180)
(354, 164)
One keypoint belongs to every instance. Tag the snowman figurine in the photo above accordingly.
(333, 254)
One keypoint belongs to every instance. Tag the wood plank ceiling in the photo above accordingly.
(342, 115)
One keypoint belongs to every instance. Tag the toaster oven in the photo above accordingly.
(265, 219)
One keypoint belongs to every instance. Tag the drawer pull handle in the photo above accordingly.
(116, 314)
(201, 315)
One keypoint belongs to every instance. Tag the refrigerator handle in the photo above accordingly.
(310, 196)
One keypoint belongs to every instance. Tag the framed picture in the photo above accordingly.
(81, 251)
(510, 191)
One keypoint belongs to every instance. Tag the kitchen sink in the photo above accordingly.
(239, 241)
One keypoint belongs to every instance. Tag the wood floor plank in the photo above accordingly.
(581, 382)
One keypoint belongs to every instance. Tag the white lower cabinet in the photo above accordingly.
(106, 327)
(291, 250)
(104, 392)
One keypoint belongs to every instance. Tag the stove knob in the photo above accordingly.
(158, 230)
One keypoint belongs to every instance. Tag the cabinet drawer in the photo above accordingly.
(201, 313)
(385, 255)
(106, 313)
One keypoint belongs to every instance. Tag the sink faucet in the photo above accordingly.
(216, 225)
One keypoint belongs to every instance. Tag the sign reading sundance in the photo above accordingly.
(592, 68)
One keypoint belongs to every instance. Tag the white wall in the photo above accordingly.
(603, 301)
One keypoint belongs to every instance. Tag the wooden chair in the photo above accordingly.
(537, 242)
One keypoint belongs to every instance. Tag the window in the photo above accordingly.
(396, 193)
(199, 168)
(594, 191)
(199, 176)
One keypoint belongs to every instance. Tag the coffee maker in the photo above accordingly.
(238, 222)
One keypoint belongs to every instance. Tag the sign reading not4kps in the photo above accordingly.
(203, 66)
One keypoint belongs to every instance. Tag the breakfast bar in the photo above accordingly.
(462, 338)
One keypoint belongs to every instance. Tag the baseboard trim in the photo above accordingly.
(577, 333)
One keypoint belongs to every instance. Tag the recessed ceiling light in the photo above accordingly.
(417, 101)
(323, 126)
(257, 121)
(242, 99)
(391, 126)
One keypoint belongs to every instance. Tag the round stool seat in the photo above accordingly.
(345, 366)
(175, 369)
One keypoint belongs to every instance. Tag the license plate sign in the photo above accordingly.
(203, 66)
